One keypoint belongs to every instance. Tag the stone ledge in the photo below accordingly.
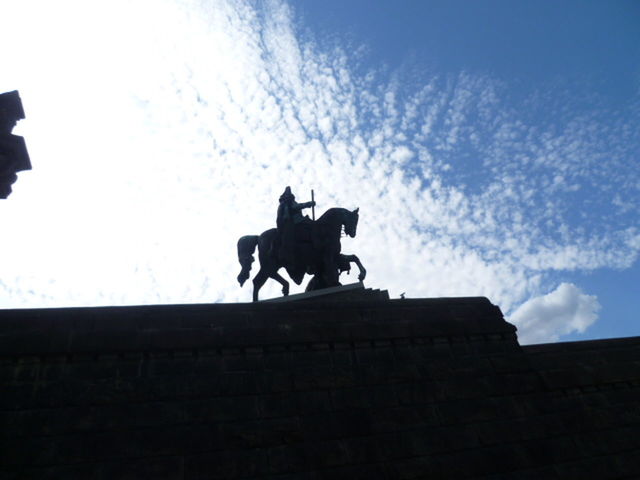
(185, 327)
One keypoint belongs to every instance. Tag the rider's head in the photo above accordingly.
(10, 111)
(287, 195)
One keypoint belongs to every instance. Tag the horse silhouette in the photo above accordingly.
(320, 256)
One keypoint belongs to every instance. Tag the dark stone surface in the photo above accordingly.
(314, 389)
(13, 150)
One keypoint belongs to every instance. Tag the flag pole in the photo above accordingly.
(313, 208)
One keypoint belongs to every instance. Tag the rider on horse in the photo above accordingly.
(289, 217)
(301, 245)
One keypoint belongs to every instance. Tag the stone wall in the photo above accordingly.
(398, 389)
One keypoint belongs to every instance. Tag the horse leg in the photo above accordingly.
(246, 247)
(283, 282)
(330, 272)
(356, 260)
(258, 282)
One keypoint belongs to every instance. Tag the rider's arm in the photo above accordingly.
(310, 204)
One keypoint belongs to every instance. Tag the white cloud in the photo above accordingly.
(547, 317)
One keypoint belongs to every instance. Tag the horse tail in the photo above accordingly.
(246, 247)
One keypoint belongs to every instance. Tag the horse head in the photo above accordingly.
(351, 223)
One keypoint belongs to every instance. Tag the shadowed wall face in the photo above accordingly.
(312, 389)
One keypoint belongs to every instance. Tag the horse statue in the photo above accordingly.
(319, 256)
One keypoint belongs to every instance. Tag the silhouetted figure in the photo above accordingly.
(344, 265)
(289, 222)
(300, 245)
(13, 150)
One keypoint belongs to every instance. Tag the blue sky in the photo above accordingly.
(492, 148)
(523, 43)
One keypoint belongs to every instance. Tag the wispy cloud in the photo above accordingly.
(155, 151)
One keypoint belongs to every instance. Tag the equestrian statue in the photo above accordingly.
(301, 245)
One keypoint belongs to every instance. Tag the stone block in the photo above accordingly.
(377, 396)
(278, 360)
(227, 464)
(220, 409)
(365, 356)
(416, 393)
(607, 442)
(501, 432)
(375, 471)
(287, 458)
(313, 401)
(274, 382)
(369, 448)
(321, 426)
(18, 372)
(435, 440)
(602, 467)
(511, 363)
(394, 419)
(209, 365)
(343, 357)
(345, 376)
(276, 405)
(547, 473)
(243, 363)
(513, 383)
(313, 378)
(541, 426)
(481, 409)
(543, 402)
(567, 378)
(616, 372)
(623, 395)
(325, 454)
(161, 468)
(384, 374)
(36, 343)
(27, 451)
(481, 462)
(630, 354)
(421, 467)
(264, 433)
(110, 367)
(103, 341)
(311, 358)
(548, 451)
(494, 347)
(457, 388)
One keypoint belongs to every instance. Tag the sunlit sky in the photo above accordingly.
(492, 147)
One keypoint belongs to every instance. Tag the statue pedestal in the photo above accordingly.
(353, 291)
